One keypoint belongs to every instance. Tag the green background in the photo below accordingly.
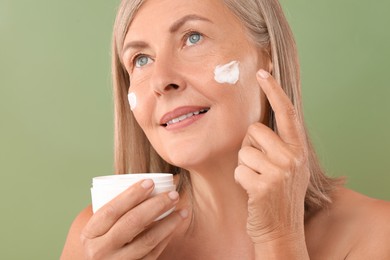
(56, 110)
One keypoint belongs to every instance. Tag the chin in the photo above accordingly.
(187, 159)
(197, 157)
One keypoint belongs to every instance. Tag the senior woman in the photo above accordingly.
(209, 90)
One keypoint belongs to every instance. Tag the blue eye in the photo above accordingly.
(141, 60)
(193, 38)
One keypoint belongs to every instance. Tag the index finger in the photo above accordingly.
(102, 221)
(288, 125)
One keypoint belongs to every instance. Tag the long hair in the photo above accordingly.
(268, 28)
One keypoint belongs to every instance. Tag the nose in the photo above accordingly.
(166, 77)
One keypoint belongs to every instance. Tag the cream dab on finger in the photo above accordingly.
(132, 100)
(228, 73)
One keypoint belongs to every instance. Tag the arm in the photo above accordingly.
(273, 169)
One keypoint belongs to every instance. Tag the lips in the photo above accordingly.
(181, 114)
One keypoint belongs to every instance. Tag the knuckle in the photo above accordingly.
(162, 202)
(92, 253)
(253, 128)
(241, 169)
(149, 240)
(109, 211)
(288, 168)
(259, 192)
(296, 161)
(238, 169)
(291, 111)
(133, 220)
(93, 249)
(84, 238)
(242, 153)
(289, 161)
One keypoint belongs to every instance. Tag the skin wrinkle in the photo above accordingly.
(187, 67)
(217, 189)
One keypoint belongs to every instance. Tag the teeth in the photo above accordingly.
(181, 118)
(176, 120)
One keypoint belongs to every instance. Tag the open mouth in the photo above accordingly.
(185, 116)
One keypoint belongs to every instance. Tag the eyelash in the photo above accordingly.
(188, 34)
(135, 57)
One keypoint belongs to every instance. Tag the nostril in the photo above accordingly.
(168, 88)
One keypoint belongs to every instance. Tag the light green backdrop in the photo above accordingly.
(56, 106)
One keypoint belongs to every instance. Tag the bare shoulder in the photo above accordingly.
(353, 226)
(360, 209)
(73, 248)
(372, 223)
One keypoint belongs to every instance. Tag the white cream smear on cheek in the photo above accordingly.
(132, 100)
(228, 73)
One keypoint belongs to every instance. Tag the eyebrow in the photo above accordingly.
(191, 17)
(134, 45)
(172, 29)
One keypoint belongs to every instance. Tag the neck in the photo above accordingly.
(218, 200)
(219, 205)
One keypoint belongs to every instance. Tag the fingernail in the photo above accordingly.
(147, 184)
(263, 74)
(173, 195)
(183, 213)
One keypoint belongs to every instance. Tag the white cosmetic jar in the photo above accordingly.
(106, 188)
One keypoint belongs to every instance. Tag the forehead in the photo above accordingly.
(162, 13)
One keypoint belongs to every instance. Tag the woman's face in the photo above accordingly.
(170, 52)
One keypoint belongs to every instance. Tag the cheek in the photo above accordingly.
(132, 97)
(141, 107)
(228, 73)
(138, 99)
(251, 96)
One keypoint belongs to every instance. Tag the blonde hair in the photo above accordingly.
(267, 26)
